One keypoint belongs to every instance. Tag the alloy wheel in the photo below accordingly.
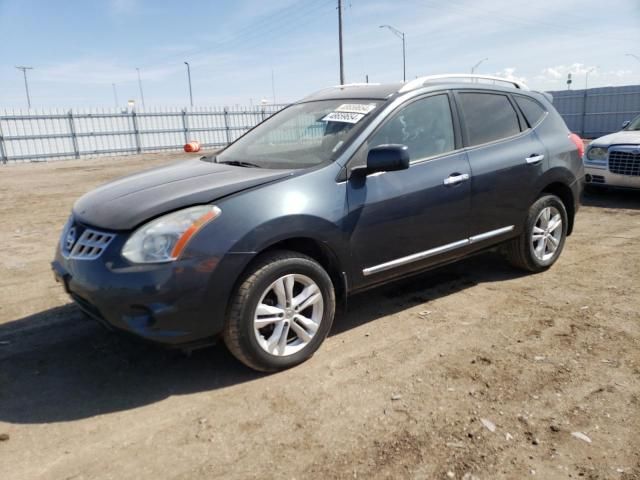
(547, 233)
(288, 315)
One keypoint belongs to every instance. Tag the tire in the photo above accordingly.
(522, 253)
(275, 284)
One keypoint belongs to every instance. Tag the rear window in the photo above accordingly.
(488, 117)
(531, 109)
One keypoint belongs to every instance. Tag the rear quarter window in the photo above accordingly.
(531, 109)
(488, 117)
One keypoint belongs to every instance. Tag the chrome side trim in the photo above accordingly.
(398, 262)
(492, 233)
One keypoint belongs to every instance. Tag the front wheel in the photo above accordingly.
(281, 313)
(542, 241)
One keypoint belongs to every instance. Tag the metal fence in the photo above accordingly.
(38, 135)
(597, 111)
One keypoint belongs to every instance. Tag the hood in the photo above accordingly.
(623, 137)
(125, 203)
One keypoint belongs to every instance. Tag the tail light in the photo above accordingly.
(578, 143)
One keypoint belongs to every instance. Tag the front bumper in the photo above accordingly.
(175, 303)
(603, 177)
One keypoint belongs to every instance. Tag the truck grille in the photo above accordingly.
(624, 163)
(89, 246)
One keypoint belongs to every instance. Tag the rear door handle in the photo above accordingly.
(455, 179)
(533, 159)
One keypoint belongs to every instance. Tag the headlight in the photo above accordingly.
(597, 154)
(163, 239)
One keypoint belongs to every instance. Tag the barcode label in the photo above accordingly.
(356, 108)
(346, 117)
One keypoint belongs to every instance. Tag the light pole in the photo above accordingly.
(140, 87)
(633, 55)
(340, 42)
(586, 77)
(115, 95)
(26, 84)
(473, 69)
(400, 35)
(189, 77)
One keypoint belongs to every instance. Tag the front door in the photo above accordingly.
(405, 220)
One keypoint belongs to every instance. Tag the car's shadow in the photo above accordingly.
(612, 198)
(58, 366)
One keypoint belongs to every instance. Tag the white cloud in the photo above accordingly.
(509, 73)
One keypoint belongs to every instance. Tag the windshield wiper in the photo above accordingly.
(238, 163)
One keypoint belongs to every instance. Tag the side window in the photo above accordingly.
(425, 126)
(531, 109)
(488, 117)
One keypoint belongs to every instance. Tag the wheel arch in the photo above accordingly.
(316, 249)
(564, 192)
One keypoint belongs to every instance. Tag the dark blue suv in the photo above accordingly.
(347, 189)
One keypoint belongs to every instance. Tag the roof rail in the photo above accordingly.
(421, 81)
(355, 84)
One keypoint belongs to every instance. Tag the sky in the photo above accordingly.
(245, 51)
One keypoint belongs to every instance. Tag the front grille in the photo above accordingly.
(90, 245)
(624, 163)
(597, 179)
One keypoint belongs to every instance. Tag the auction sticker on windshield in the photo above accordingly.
(347, 117)
(349, 112)
(356, 108)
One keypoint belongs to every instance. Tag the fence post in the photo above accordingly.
(263, 114)
(226, 125)
(3, 155)
(72, 131)
(136, 132)
(185, 126)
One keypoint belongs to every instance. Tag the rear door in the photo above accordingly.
(506, 158)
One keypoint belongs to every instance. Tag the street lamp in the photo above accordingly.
(140, 87)
(189, 77)
(115, 94)
(633, 55)
(26, 85)
(400, 35)
(473, 69)
(586, 77)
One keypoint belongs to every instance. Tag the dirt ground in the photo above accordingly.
(473, 371)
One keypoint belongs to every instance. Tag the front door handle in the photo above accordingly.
(455, 179)
(533, 159)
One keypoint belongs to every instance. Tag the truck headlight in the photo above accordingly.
(164, 238)
(597, 154)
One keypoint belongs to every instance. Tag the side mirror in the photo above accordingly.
(625, 124)
(388, 158)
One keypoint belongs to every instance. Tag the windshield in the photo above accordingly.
(634, 125)
(300, 136)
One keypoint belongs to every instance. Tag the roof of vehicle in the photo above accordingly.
(384, 91)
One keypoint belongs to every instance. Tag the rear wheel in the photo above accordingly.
(542, 241)
(281, 313)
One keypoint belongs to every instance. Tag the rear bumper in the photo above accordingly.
(603, 177)
(177, 303)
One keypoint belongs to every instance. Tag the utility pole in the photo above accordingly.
(189, 77)
(26, 84)
(473, 69)
(115, 95)
(340, 41)
(140, 87)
